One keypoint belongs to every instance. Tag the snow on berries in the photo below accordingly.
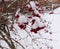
(34, 18)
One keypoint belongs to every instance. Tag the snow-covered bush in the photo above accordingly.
(25, 31)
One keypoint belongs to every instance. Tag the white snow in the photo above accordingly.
(55, 27)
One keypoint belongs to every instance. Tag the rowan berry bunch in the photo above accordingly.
(34, 18)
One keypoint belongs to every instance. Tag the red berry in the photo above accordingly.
(26, 23)
(17, 16)
(37, 15)
(41, 11)
(51, 13)
(21, 26)
(33, 30)
(37, 5)
(33, 21)
(30, 10)
(29, 17)
(50, 32)
(37, 29)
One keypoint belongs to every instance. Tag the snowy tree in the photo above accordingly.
(25, 27)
